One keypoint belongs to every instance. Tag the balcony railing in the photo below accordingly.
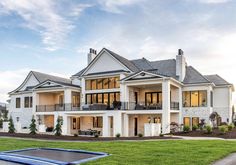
(174, 105)
(102, 106)
(58, 107)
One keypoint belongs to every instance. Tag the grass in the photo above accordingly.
(141, 152)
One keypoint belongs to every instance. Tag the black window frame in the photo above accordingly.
(157, 93)
(190, 94)
(18, 105)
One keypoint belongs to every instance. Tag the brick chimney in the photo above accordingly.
(180, 65)
(91, 55)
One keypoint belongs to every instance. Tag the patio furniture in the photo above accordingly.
(89, 132)
(139, 107)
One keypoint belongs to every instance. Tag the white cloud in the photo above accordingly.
(214, 1)
(43, 17)
(78, 9)
(114, 6)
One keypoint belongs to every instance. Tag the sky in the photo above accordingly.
(55, 36)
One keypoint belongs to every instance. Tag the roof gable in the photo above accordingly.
(194, 77)
(217, 80)
(104, 62)
(142, 75)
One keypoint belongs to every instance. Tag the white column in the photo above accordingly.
(165, 106)
(105, 127)
(126, 125)
(117, 126)
(180, 106)
(65, 125)
(83, 95)
(55, 119)
(67, 96)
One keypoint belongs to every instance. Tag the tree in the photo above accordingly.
(213, 117)
(32, 127)
(57, 129)
(11, 127)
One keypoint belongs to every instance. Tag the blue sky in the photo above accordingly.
(54, 36)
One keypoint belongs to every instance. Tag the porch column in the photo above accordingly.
(55, 119)
(126, 125)
(83, 91)
(165, 106)
(65, 125)
(180, 106)
(67, 96)
(117, 126)
(35, 97)
(105, 126)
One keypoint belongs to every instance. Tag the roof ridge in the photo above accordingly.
(49, 75)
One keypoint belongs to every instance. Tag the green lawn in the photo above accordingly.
(142, 152)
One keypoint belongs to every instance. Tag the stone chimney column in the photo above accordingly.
(91, 55)
(180, 65)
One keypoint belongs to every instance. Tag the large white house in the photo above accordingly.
(114, 95)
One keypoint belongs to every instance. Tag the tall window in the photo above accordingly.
(75, 99)
(153, 98)
(211, 99)
(195, 99)
(28, 102)
(18, 102)
(103, 83)
(97, 122)
(106, 98)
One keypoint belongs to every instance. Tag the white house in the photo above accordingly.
(115, 95)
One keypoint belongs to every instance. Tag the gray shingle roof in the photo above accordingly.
(217, 80)
(142, 64)
(41, 77)
(193, 76)
(165, 67)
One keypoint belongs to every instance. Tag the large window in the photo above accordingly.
(28, 102)
(195, 99)
(153, 98)
(97, 122)
(75, 99)
(18, 102)
(106, 98)
(103, 83)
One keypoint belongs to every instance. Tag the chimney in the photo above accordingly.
(91, 55)
(180, 65)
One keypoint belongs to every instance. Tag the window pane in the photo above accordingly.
(105, 98)
(99, 83)
(154, 98)
(99, 120)
(159, 97)
(74, 123)
(187, 121)
(100, 98)
(105, 83)
(17, 102)
(94, 84)
(117, 96)
(31, 102)
(112, 82)
(26, 102)
(94, 98)
(88, 99)
(211, 99)
(148, 99)
(88, 85)
(117, 82)
(186, 99)
(195, 121)
(112, 98)
(203, 98)
(194, 99)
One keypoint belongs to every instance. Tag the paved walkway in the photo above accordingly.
(199, 138)
(228, 160)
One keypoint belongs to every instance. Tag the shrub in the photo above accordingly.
(140, 135)
(32, 127)
(195, 127)
(230, 127)
(209, 129)
(96, 135)
(1, 123)
(186, 128)
(118, 135)
(58, 130)
(223, 129)
(75, 135)
(161, 135)
(49, 129)
(223, 123)
(11, 127)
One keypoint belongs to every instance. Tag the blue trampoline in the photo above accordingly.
(48, 156)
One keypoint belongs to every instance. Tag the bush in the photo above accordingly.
(209, 129)
(118, 135)
(49, 129)
(195, 127)
(161, 135)
(186, 128)
(230, 127)
(32, 127)
(140, 135)
(75, 135)
(223, 129)
(96, 135)
(223, 123)
(57, 129)
(11, 127)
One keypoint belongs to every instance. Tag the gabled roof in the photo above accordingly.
(165, 67)
(56, 84)
(193, 76)
(217, 80)
(41, 77)
(154, 74)
(142, 64)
